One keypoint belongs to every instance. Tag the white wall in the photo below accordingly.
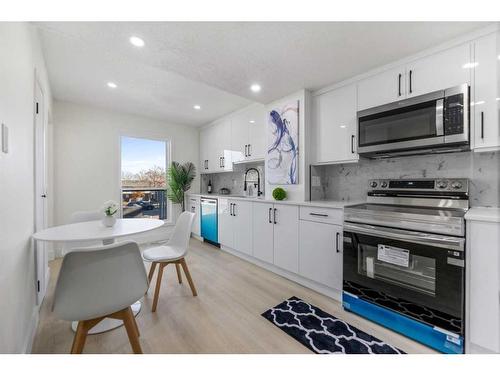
(20, 56)
(300, 191)
(87, 153)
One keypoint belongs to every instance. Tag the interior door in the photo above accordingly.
(41, 212)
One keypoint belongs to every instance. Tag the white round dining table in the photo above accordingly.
(96, 231)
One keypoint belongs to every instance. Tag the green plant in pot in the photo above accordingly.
(279, 194)
(179, 178)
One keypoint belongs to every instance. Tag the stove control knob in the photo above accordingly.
(373, 184)
(383, 184)
(442, 184)
(456, 185)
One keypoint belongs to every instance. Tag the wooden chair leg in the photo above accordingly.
(188, 276)
(179, 274)
(158, 285)
(152, 271)
(132, 330)
(79, 339)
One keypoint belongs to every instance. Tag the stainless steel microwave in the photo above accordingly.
(430, 123)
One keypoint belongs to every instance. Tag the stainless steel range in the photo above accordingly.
(404, 253)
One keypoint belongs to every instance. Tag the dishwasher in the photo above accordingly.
(209, 222)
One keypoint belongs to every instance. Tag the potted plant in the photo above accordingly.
(179, 177)
(110, 208)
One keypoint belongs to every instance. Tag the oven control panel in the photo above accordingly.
(459, 185)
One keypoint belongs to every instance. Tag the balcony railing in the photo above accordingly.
(144, 203)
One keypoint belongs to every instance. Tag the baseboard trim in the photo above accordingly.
(322, 289)
(30, 335)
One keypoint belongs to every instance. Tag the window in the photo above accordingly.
(143, 177)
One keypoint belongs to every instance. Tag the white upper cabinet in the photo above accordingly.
(207, 150)
(486, 129)
(248, 133)
(442, 70)
(335, 125)
(215, 147)
(439, 71)
(382, 88)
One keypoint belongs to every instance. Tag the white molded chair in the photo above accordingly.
(79, 217)
(98, 283)
(173, 252)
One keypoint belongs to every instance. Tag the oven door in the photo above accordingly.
(410, 124)
(417, 274)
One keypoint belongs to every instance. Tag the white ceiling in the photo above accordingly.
(213, 63)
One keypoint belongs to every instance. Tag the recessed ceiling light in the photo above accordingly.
(136, 41)
(197, 107)
(112, 85)
(252, 121)
(255, 87)
(470, 65)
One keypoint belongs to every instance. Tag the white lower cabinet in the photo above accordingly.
(193, 205)
(263, 231)
(320, 253)
(286, 237)
(483, 294)
(235, 224)
(242, 226)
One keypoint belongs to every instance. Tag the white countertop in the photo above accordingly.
(490, 214)
(319, 203)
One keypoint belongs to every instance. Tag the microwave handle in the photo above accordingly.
(439, 117)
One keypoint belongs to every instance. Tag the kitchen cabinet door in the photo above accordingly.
(483, 265)
(442, 70)
(486, 93)
(257, 123)
(335, 125)
(193, 205)
(286, 237)
(382, 88)
(263, 231)
(205, 140)
(320, 253)
(220, 149)
(242, 226)
(226, 223)
(239, 135)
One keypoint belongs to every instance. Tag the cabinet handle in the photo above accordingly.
(249, 150)
(337, 236)
(315, 214)
(275, 222)
(411, 74)
(206, 162)
(352, 143)
(223, 162)
(399, 84)
(482, 125)
(269, 215)
(234, 209)
(246, 150)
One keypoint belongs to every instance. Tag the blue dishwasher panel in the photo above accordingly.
(209, 224)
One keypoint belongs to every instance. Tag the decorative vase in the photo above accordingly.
(108, 220)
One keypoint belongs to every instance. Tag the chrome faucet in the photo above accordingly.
(259, 193)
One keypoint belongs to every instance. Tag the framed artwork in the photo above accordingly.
(282, 155)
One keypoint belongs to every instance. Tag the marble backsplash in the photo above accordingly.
(349, 182)
(234, 181)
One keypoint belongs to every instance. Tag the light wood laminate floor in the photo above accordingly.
(223, 318)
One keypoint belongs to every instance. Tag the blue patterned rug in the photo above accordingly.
(323, 333)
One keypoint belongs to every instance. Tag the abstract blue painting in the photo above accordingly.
(283, 145)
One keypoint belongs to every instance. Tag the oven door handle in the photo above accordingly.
(429, 239)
